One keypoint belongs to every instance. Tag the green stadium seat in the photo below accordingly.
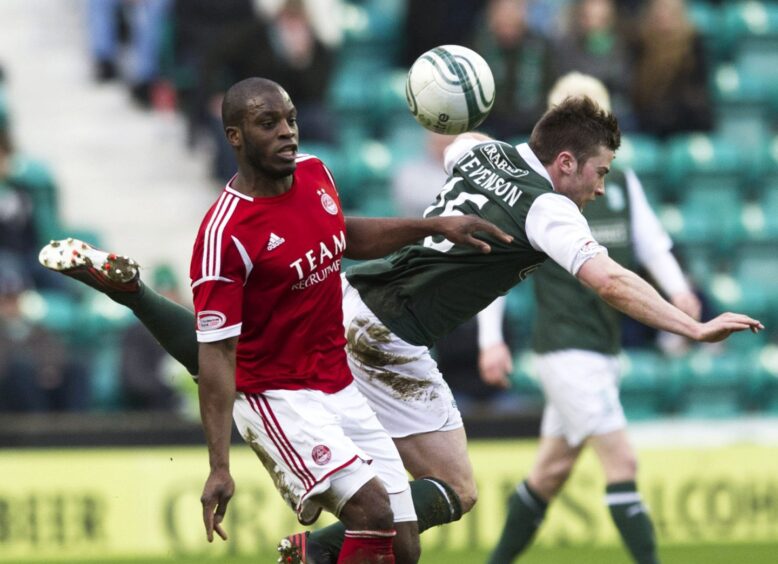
(765, 389)
(372, 31)
(742, 106)
(708, 21)
(710, 216)
(644, 391)
(524, 380)
(766, 168)
(712, 383)
(749, 287)
(643, 154)
(700, 160)
(750, 30)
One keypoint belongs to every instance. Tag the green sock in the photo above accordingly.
(526, 510)
(435, 503)
(631, 518)
(172, 325)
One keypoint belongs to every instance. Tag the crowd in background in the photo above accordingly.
(182, 54)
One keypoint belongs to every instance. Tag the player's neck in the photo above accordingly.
(250, 183)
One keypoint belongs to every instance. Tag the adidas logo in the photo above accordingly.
(274, 241)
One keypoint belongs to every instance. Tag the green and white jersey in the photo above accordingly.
(570, 315)
(425, 290)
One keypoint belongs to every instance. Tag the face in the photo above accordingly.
(267, 138)
(583, 182)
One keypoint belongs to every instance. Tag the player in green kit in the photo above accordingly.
(395, 308)
(576, 338)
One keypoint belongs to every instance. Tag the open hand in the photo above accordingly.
(721, 327)
(460, 230)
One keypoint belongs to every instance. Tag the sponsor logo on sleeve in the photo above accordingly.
(209, 320)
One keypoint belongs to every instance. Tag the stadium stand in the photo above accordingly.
(717, 192)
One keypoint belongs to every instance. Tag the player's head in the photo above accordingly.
(575, 84)
(260, 122)
(576, 141)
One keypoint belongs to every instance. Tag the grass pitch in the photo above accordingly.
(685, 554)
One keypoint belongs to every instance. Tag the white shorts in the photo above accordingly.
(401, 381)
(320, 449)
(582, 394)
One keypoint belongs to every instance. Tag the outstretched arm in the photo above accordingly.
(627, 292)
(375, 237)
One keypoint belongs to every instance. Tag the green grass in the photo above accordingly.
(688, 554)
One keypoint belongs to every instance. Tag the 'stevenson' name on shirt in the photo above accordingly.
(488, 180)
(306, 265)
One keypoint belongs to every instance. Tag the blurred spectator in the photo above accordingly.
(521, 61)
(429, 23)
(29, 212)
(593, 45)
(146, 369)
(416, 183)
(146, 21)
(286, 49)
(200, 26)
(36, 372)
(670, 90)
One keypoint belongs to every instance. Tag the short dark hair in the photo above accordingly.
(234, 102)
(577, 125)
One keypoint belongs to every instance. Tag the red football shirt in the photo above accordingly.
(268, 270)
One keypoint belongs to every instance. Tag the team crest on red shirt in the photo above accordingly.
(327, 202)
(321, 455)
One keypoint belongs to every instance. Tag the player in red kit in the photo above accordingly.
(269, 328)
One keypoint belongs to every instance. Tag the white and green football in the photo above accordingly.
(450, 89)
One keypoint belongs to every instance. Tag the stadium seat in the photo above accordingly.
(644, 390)
(712, 383)
(711, 216)
(742, 106)
(372, 30)
(704, 161)
(765, 388)
(749, 287)
(708, 21)
(524, 379)
(643, 154)
(750, 30)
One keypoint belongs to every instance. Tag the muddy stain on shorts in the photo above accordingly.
(364, 344)
(365, 339)
(275, 471)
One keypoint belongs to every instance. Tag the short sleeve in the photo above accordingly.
(218, 295)
(556, 227)
(456, 151)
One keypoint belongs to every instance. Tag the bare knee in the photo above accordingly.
(468, 495)
(623, 468)
(548, 479)
(407, 549)
(368, 509)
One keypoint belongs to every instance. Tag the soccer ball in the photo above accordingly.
(450, 89)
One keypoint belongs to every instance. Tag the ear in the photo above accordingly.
(234, 136)
(567, 162)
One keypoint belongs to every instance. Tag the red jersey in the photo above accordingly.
(268, 270)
